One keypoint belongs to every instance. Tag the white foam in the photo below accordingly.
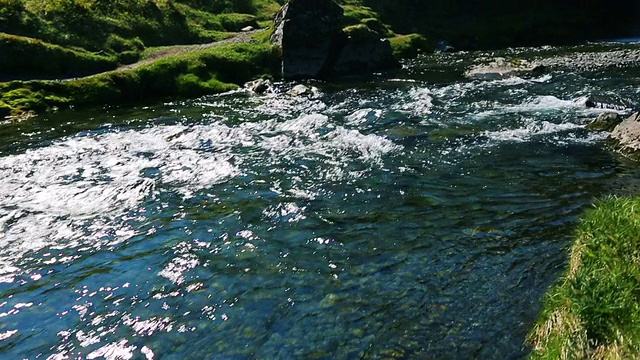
(543, 79)
(420, 102)
(278, 105)
(73, 193)
(530, 129)
(120, 350)
(361, 116)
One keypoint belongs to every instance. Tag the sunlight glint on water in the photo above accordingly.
(397, 218)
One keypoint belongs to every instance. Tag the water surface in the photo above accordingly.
(416, 215)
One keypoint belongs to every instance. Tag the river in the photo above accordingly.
(414, 215)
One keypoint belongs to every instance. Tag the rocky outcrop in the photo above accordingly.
(501, 68)
(314, 44)
(306, 30)
(260, 86)
(606, 121)
(626, 136)
(363, 51)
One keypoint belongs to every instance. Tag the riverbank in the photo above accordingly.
(77, 38)
(50, 62)
(594, 312)
(81, 53)
(204, 70)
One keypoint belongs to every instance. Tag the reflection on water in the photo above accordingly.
(398, 218)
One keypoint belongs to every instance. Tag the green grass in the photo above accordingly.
(64, 38)
(27, 56)
(213, 70)
(409, 46)
(117, 29)
(354, 14)
(594, 312)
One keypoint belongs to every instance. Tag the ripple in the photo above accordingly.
(72, 192)
(393, 218)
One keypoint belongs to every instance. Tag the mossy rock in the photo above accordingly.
(354, 14)
(409, 46)
(605, 122)
(377, 26)
(360, 32)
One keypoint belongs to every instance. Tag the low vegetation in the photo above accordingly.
(35, 58)
(43, 41)
(47, 46)
(86, 35)
(594, 312)
(409, 46)
(207, 71)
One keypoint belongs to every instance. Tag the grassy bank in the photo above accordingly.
(594, 312)
(71, 38)
(86, 35)
(207, 71)
(58, 39)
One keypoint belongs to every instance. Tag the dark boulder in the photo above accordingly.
(607, 102)
(314, 44)
(363, 52)
(306, 31)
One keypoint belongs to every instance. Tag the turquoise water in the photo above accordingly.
(416, 215)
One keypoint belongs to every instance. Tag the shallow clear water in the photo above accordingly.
(413, 216)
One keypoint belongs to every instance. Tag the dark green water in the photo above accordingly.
(421, 216)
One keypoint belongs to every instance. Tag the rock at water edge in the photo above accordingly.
(626, 136)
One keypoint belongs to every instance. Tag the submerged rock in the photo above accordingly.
(259, 86)
(610, 103)
(303, 90)
(443, 46)
(314, 44)
(605, 122)
(626, 136)
(501, 68)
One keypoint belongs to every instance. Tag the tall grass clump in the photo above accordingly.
(594, 312)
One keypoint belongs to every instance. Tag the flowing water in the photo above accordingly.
(417, 215)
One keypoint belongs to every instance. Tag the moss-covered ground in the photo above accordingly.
(213, 70)
(48, 49)
(594, 311)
